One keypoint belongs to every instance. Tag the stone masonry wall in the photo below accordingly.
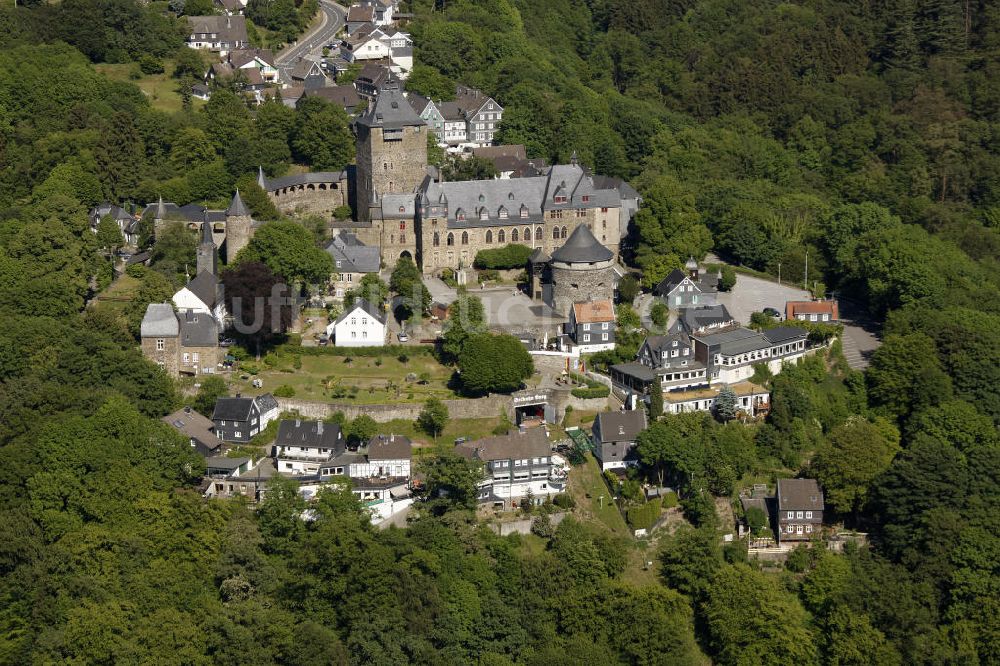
(570, 285)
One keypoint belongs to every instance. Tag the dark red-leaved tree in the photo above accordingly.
(259, 301)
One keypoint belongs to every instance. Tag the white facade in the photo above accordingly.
(395, 468)
(357, 328)
(732, 369)
(185, 299)
(372, 48)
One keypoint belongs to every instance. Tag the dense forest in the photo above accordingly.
(862, 133)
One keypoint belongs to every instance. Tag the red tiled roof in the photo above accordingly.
(811, 307)
(592, 312)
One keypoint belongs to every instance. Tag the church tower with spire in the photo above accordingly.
(239, 227)
(207, 257)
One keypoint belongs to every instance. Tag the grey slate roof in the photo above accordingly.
(206, 287)
(241, 57)
(785, 333)
(582, 247)
(185, 213)
(532, 443)
(735, 341)
(619, 426)
(352, 256)
(297, 179)
(315, 434)
(390, 110)
(232, 409)
(266, 402)
(635, 369)
(225, 463)
(660, 343)
(228, 28)
(539, 256)
(691, 319)
(799, 494)
(389, 447)
(192, 424)
(237, 208)
(345, 96)
(160, 321)
(198, 330)
(365, 306)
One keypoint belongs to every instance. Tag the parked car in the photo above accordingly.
(227, 342)
(257, 383)
(771, 312)
(403, 337)
(461, 440)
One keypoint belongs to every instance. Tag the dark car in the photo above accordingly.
(771, 312)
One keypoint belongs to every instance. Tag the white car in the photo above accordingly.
(403, 337)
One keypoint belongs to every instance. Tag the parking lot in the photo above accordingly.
(753, 294)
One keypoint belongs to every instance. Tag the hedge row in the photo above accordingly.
(367, 352)
(600, 391)
(643, 517)
(501, 258)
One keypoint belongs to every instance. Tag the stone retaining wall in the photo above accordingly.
(473, 408)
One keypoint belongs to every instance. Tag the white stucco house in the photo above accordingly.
(361, 325)
(202, 294)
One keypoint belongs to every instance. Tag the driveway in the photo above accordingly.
(331, 21)
(753, 294)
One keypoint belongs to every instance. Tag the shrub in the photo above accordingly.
(727, 279)
(601, 391)
(644, 516)
(489, 276)
(297, 362)
(564, 501)
(509, 256)
(284, 391)
(342, 212)
(670, 500)
(136, 271)
(150, 65)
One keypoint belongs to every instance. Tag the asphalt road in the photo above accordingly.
(331, 21)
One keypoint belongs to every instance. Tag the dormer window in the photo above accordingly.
(502, 213)
(460, 215)
(510, 196)
(675, 343)
(560, 198)
(524, 211)
(482, 198)
(586, 198)
(484, 214)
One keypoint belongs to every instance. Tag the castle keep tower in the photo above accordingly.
(239, 227)
(391, 150)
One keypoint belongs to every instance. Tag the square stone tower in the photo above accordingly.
(391, 149)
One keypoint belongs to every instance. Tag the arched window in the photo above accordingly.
(513, 236)
(437, 239)
(500, 236)
(465, 238)
(538, 234)
(527, 234)
(489, 235)
(555, 233)
(564, 234)
(460, 215)
(451, 238)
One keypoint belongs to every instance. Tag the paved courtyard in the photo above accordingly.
(753, 294)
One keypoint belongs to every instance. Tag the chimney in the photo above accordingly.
(298, 423)
(319, 427)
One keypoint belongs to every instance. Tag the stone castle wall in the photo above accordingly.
(169, 357)
(311, 198)
(573, 283)
(548, 235)
(389, 166)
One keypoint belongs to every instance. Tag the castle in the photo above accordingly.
(403, 207)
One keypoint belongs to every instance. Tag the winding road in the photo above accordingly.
(331, 21)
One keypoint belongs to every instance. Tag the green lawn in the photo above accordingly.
(160, 89)
(119, 293)
(586, 480)
(361, 381)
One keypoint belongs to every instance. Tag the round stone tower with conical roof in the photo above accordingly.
(239, 227)
(582, 269)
